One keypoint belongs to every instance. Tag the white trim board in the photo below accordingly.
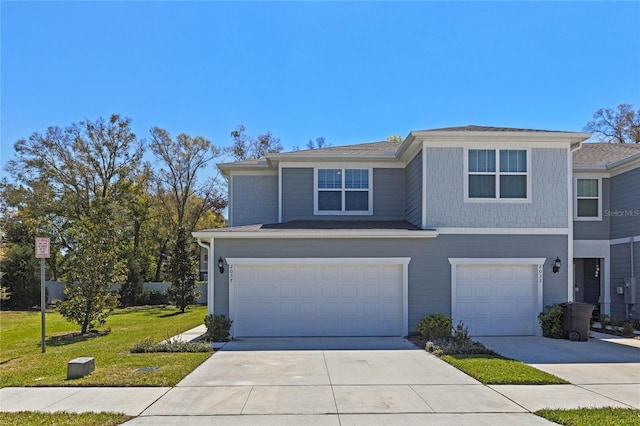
(320, 234)
(503, 231)
(625, 240)
(318, 260)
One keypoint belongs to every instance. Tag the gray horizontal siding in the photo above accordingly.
(388, 196)
(621, 269)
(255, 200)
(445, 193)
(297, 193)
(413, 179)
(429, 270)
(625, 204)
(595, 229)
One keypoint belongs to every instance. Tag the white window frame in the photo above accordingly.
(497, 175)
(342, 190)
(575, 199)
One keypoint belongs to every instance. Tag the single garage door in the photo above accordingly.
(316, 299)
(497, 300)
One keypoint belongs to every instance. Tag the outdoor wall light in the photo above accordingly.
(556, 265)
(221, 265)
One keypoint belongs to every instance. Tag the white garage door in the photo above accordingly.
(317, 300)
(497, 300)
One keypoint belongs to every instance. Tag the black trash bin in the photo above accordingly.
(576, 321)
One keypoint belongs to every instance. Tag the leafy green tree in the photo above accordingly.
(96, 266)
(185, 201)
(396, 137)
(74, 184)
(21, 276)
(619, 125)
(181, 272)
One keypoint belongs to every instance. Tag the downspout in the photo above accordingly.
(570, 285)
(210, 274)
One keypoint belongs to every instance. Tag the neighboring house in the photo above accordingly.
(365, 240)
(607, 227)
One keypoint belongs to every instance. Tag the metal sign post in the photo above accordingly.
(42, 252)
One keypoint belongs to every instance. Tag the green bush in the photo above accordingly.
(551, 321)
(461, 333)
(218, 327)
(441, 347)
(435, 326)
(158, 298)
(148, 346)
(628, 328)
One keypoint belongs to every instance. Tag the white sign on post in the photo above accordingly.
(43, 251)
(43, 248)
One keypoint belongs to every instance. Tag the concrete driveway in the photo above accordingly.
(330, 381)
(604, 365)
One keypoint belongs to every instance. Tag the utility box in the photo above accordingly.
(630, 290)
(576, 321)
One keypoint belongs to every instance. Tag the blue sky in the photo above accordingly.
(351, 72)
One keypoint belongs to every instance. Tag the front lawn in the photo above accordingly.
(593, 416)
(23, 364)
(30, 418)
(497, 370)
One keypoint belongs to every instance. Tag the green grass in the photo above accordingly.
(62, 418)
(497, 370)
(593, 416)
(23, 364)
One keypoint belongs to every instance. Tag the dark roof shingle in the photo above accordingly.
(330, 225)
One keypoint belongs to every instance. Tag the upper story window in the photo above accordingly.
(497, 175)
(588, 199)
(343, 191)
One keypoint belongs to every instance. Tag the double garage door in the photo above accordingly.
(316, 297)
(496, 300)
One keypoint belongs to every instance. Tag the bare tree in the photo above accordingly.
(246, 147)
(619, 125)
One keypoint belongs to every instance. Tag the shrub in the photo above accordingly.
(148, 346)
(604, 320)
(21, 278)
(615, 321)
(442, 347)
(461, 333)
(218, 327)
(628, 328)
(551, 321)
(435, 326)
(158, 298)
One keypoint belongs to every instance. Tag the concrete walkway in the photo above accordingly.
(605, 366)
(324, 381)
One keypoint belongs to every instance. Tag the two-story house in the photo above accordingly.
(606, 227)
(364, 240)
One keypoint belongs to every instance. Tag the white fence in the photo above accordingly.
(56, 289)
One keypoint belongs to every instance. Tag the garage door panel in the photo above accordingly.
(496, 299)
(317, 300)
(349, 290)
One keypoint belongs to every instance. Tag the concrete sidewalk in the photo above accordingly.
(605, 366)
(324, 381)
